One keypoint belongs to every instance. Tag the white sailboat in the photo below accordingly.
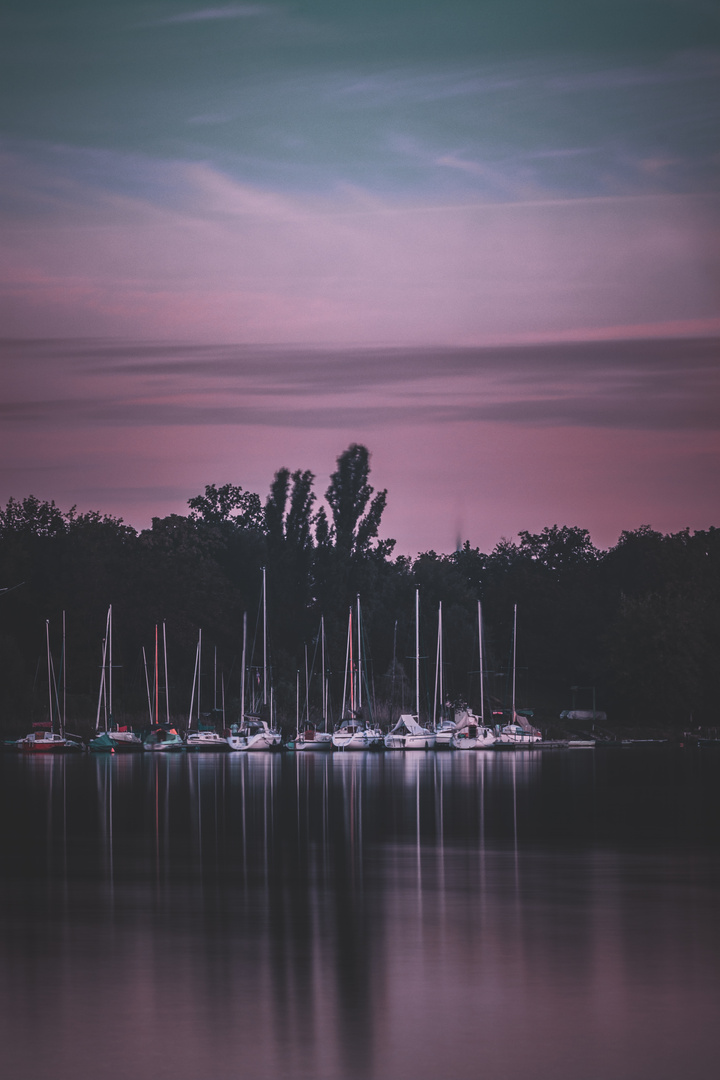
(408, 733)
(254, 732)
(354, 732)
(472, 732)
(519, 732)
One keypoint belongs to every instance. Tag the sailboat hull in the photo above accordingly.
(410, 742)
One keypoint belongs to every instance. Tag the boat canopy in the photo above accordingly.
(583, 714)
(410, 724)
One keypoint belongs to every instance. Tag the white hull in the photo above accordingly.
(410, 742)
(205, 740)
(263, 740)
(357, 740)
(513, 736)
(322, 740)
(444, 736)
(483, 740)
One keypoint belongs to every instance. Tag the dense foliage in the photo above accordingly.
(637, 625)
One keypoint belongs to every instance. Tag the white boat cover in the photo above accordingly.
(410, 724)
(583, 714)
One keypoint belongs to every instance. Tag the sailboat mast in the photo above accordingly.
(514, 661)
(359, 654)
(438, 669)
(482, 683)
(192, 692)
(101, 695)
(199, 673)
(167, 685)
(49, 667)
(417, 654)
(64, 680)
(110, 694)
(242, 672)
(347, 662)
(264, 638)
(147, 683)
(307, 688)
(215, 682)
(157, 678)
(322, 664)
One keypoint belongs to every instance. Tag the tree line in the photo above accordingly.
(637, 625)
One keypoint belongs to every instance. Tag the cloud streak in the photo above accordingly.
(661, 385)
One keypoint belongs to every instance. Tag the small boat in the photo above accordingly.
(408, 733)
(353, 734)
(205, 740)
(471, 733)
(42, 740)
(161, 739)
(516, 734)
(253, 734)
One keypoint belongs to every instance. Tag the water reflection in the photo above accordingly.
(359, 915)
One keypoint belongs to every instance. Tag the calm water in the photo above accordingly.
(441, 916)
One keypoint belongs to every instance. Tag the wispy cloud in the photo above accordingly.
(229, 11)
(634, 385)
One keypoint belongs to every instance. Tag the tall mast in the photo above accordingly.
(307, 689)
(417, 654)
(297, 701)
(199, 672)
(215, 682)
(147, 684)
(359, 654)
(322, 664)
(101, 695)
(242, 672)
(167, 685)
(438, 669)
(514, 661)
(482, 683)
(348, 662)
(192, 693)
(264, 638)
(49, 667)
(64, 679)
(110, 697)
(157, 679)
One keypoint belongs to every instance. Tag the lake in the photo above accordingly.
(435, 916)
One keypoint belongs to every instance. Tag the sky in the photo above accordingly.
(482, 238)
